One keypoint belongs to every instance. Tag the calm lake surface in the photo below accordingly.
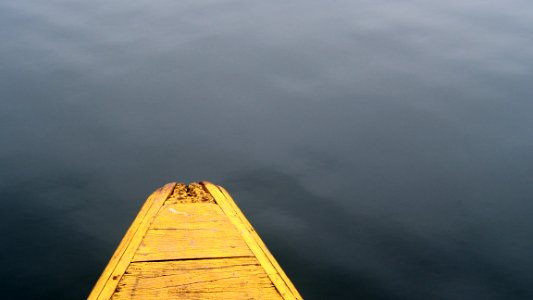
(382, 149)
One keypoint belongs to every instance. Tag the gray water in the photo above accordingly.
(382, 149)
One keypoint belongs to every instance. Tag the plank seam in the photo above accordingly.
(186, 259)
(274, 271)
(138, 229)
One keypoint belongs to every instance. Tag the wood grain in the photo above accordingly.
(254, 242)
(184, 231)
(192, 242)
(120, 260)
(224, 278)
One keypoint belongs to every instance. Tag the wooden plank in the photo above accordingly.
(259, 249)
(173, 216)
(120, 260)
(192, 242)
(224, 278)
(184, 231)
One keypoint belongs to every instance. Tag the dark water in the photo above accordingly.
(383, 149)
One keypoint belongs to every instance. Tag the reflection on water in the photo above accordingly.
(382, 149)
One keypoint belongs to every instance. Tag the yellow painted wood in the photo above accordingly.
(182, 231)
(105, 286)
(192, 242)
(222, 278)
(261, 252)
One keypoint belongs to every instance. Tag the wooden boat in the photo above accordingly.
(192, 242)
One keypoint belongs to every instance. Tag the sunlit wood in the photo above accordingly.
(192, 242)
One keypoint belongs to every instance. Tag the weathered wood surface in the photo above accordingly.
(192, 242)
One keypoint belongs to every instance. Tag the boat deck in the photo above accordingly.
(192, 242)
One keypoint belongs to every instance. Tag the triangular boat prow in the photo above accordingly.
(192, 242)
